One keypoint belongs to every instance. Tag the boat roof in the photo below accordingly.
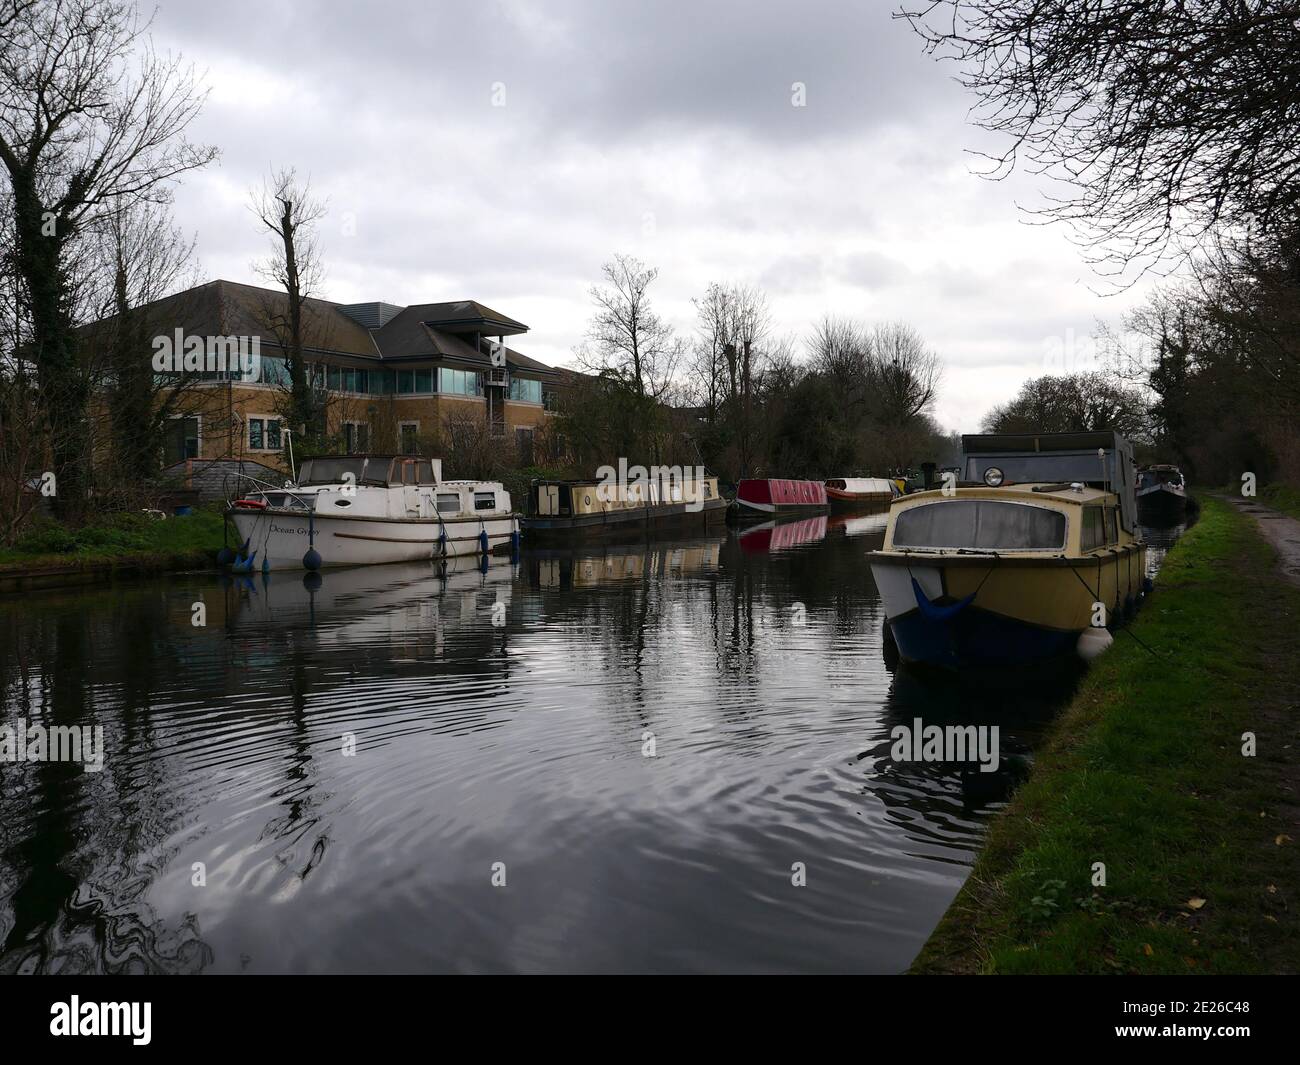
(1001, 443)
(1031, 491)
(862, 484)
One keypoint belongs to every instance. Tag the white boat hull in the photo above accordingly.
(279, 539)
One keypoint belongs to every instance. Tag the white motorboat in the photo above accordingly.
(354, 510)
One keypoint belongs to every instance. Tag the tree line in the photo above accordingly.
(741, 399)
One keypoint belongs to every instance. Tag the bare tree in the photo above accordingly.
(1163, 117)
(627, 336)
(904, 374)
(708, 366)
(286, 208)
(144, 257)
(90, 119)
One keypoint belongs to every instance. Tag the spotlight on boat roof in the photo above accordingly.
(993, 477)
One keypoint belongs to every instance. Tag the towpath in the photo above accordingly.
(1281, 531)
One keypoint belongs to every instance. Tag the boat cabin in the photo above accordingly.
(1047, 519)
(1101, 460)
(563, 499)
(384, 471)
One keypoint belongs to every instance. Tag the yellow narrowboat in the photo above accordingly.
(1035, 554)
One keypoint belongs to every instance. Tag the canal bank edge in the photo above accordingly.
(1144, 772)
(127, 546)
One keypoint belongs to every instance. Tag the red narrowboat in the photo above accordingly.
(776, 496)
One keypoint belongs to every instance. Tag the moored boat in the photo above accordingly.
(857, 491)
(1034, 555)
(1161, 494)
(350, 510)
(573, 509)
(757, 497)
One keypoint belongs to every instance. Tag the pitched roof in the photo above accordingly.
(422, 331)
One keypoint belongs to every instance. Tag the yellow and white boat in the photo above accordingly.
(1035, 554)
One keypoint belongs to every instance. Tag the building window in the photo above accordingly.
(523, 390)
(458, 382)
(356, 437)
(550, 400)
(263, 433)
(180, 440)
(409, 433)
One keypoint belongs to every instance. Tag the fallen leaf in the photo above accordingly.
(1195, 904)
(1272, 889)
(1146, 949)
(1283, 838)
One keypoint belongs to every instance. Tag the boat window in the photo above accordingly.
(424, 469)
(448, 503)
(981, 524)
(331, 471)
(485, 501)
(1092, 534)
(1112, 525)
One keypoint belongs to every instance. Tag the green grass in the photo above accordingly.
(1144, 772)
(1281, 497)
(117, 539)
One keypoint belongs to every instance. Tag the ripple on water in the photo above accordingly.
(658, 742)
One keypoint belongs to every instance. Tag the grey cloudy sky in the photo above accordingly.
(664, 130)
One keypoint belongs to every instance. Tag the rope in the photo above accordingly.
(1154, 654)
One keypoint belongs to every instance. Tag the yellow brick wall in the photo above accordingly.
(224, 414)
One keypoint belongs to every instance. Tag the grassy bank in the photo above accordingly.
(1281, 497)
(119, 541)
(1144, 772)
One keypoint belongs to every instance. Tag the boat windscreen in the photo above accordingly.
(334, 471)
(981, 524)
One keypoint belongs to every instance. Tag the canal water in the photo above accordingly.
(667, 757)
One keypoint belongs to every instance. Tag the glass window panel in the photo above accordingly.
(982, 525)
(349, 383)
(405, 381)
(254, 433)
(424, 380)
(273, 433)
(1093, 533)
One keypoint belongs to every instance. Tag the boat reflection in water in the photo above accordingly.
(368, 602)
(783, 535)
(589, 567)
(861, 524)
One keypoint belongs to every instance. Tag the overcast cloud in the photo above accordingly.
(664, 130)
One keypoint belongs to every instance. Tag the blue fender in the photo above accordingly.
(938, 613)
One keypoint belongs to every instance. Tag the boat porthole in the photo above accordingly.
(586, 501)
(343, 502)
